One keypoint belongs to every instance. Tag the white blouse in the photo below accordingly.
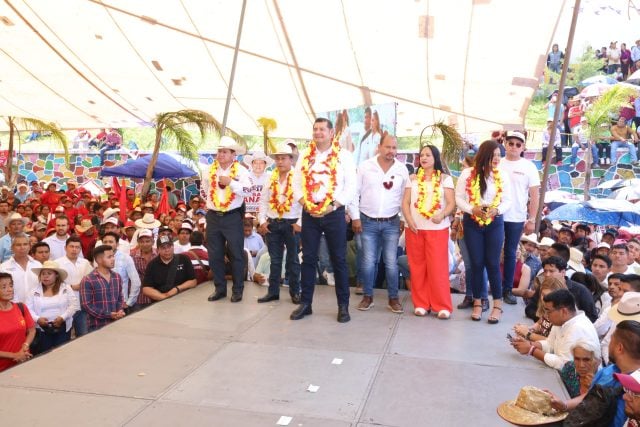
(64, 304)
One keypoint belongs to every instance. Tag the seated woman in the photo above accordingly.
(17, 328)
(52, 304)
(601, 297)
(577, 375)
(522, 276)
(540, 330)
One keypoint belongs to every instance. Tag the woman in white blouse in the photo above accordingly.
(483, 194)
(52, 304)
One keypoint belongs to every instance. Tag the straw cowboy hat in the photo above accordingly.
(284, 148)
(110, 212)
(230, 144)
(531, 238)
(627, 309)
(536, 405)
(546, 241)
(258, 155)
(84, 225)
(51, 265)
(17, 217)
(148, 221)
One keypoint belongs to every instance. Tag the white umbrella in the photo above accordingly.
(634, 78)
(596, 89)
(610, 184)
(625, 193)
(558, 195)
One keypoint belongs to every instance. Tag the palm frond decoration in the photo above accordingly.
(606, 108)
(268, 125)
(452, 143)
(174, 126)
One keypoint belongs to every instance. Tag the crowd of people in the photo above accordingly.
(72, 263)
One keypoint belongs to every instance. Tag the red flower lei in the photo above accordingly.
(473, 191)
(274, 184)
(436, 192)
(310, 185)
(229, 195)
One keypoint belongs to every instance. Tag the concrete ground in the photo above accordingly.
(187, 361)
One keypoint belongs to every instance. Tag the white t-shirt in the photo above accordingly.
(179, 249)
(523, 175)
(421, 222)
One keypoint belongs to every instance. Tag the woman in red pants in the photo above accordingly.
(428, 203)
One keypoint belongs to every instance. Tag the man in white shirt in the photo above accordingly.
(184, 234)
(367, 141)
(569, 326)
(324, 183)
(58, 240)
(76, 269)
(279, 219)
(111, 224)
(620, 259)
(525, 187)
(19, 266)
(15, 224)
(225, 205)
(380, 187)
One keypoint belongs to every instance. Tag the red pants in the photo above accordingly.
(428, 255)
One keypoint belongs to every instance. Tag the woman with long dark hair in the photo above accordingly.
(427, 205)
(483, 194)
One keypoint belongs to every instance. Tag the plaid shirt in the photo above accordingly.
(141, 266)
(99, 298)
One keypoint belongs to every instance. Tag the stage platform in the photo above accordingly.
(190, 362)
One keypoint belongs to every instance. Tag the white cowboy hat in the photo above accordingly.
(575, 260)
(283, 149)
(627, 309)
(546, 241)
(230, 144)
(17, 217)
(110, 212)
(258, 155)
(148, 221)
(531, 238)
(51, 265)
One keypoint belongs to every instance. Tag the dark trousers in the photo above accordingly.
(225, 231)
(281, 235)
(334, 227)
(512, 234)
(50, 341)
(484, 244)
(558, 151)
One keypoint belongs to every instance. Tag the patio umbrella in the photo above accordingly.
(557, 195)
(596, 89)
(634, 78)
(599, 79)
(611, 183)
(625, 193)
(599, 212)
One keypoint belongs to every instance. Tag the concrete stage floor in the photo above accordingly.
(191, 362)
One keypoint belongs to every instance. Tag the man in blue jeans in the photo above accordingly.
(381, 185)
(525, 187)
(324, 182)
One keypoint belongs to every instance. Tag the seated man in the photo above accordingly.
(569, 326)
(168, 274)
(199, 257)
(623, 136)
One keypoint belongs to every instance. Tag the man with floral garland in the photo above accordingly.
(279, 219)
(324, 182)
(224, 188)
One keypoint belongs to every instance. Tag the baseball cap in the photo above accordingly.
(145, 232)
(630, 381)
(164, 240)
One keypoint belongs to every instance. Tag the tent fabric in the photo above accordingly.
(117, 63)
(166, 167)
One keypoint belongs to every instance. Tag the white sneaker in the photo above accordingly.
(329, 277)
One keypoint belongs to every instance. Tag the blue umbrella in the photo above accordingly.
(599, 79)
(166, 167)
(599, 212)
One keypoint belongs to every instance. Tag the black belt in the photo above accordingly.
(221, 213)
(289, 220)
(391, 218)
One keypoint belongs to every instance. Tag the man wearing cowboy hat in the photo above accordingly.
(258, 162)
(224, 188)
(88, 237)
(16, 225)
(281, 228)
(324, 192)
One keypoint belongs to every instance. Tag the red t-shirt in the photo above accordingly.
(50, 199)
(13, 332)
(575, 120)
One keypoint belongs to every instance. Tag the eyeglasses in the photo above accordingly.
(631, 393)
(514, 144)
(388, 185)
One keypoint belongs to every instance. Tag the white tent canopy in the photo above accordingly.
(91, 63)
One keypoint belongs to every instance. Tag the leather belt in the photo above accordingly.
(391, 218)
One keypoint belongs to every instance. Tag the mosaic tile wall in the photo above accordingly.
(86, 166)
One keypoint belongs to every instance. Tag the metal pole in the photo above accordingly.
(556, 115)
(233, 68)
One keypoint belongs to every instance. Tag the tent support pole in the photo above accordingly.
(556, 115)
(233, 68)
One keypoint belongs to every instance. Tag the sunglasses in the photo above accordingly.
(388, 185)
(514, 144)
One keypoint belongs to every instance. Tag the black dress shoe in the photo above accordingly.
(236, 297)
(301, 311)
(343, 314)
(216, 296)
(295, 298)
(268, 298)
(508, 298)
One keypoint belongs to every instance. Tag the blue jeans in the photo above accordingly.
(380, 237)
(334, 227)
(468, 272)
(594, 153)
(80, 323)
(359, 251)
(485, 244)
(281, 235)
(512, 234)
(617, 144)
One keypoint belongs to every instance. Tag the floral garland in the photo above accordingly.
(310, 185)
(229, 196)
(274, 184)
(436, 197)
(473, 191)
